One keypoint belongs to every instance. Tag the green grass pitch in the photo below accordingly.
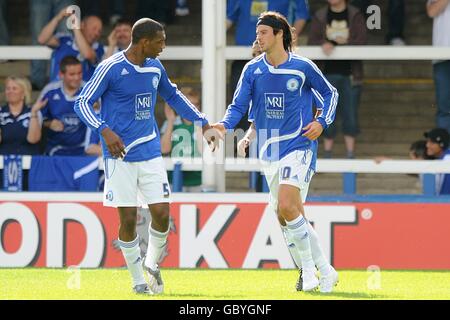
(270, 284)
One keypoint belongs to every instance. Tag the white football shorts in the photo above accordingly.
(294, 169)
(135, 184)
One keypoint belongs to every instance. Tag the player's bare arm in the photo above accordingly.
(85, 48)
(46, 36)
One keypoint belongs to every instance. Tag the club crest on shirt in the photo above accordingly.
(155, 82)
(292, 84)
(109, 195)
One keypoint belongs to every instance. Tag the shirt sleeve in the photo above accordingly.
(327, 94)
(91, 93)
(241, 101)
(178, 101)
(302, 10)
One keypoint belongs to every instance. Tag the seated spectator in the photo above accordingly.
(417, 151)
(438, 140)
(180, 138)
(82, 44)
(341, 24)
(120, 37)
(67, 133)
(20, 124)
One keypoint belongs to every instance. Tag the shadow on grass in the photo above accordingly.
(348, 295)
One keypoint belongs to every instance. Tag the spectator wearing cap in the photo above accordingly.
(437, 146)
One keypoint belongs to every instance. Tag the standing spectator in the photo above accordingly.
(341, 24)
(120, 37)
(4, 34)
(183, 139)
(41, 12)
(396, 19)
(438, 140)
(245, 13)
(83, 44)
(20, 125)
(439, 10)
(67, 133)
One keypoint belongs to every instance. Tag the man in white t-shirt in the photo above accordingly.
(439, 10)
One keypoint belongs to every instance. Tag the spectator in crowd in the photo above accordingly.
(341, 24)
(180, 138)
(83, 44)
(41, 13)
(438, 140)
(120, 37)
(67, 133)
(439, 10)
(417, 151)
(20, 124)
(244, 14)
(4, 34)
(396, 19)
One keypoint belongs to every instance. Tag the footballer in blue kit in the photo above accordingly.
(279, 88)
(128, 84)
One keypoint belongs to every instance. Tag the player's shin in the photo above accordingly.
(299, 233)
(291, 246)
(132, 254)
(156, 244)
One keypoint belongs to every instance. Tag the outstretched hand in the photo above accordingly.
(313, 130)
(213, 133)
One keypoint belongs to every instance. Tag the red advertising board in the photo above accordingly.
(223, 231)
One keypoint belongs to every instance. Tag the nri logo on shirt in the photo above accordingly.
(143, 104)
(274, 103)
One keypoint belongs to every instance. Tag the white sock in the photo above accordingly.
(132, 254)
(319, 258)
(298, 228)
(156, 243)
(292, 248)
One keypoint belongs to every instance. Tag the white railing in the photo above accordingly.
(242, 53)
(323, 165)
